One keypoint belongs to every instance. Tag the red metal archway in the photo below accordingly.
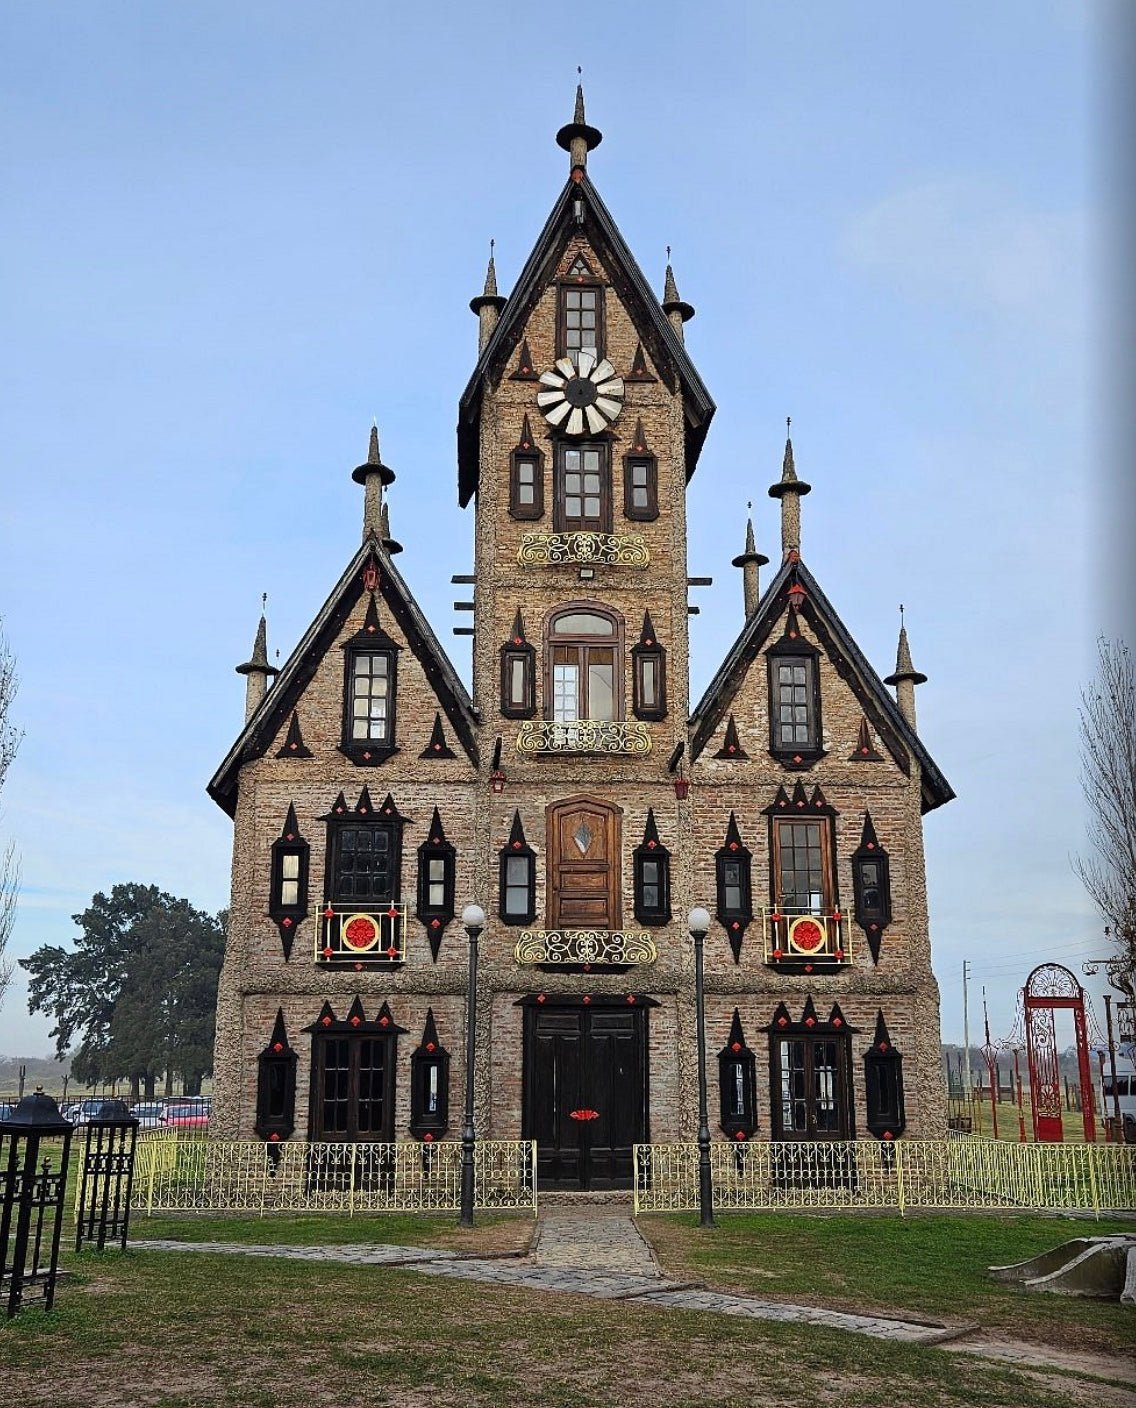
(1050, 988)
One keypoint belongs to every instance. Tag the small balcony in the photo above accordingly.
(542, 736)
(358, 937)
(584, 548)
(806, 940)
(585, 949)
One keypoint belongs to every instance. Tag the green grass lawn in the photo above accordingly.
(933, 1266)
(151, 1328)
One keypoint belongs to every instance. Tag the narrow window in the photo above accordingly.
(370, 698)
(737, 1084)
(429, 1085)
(809, 1070)
(735, 905)
(883, 1085)
(517, 877)
(526, 498)
(640, 488)
(518, 674)
(371, 660)
(276, 1085)
(580, 313)
(652, 875)
(794, 698)
(871, 887)
(288, 886)
(648, 692)
(583, 488)
(437, 862)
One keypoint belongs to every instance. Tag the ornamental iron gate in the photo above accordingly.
(1051, 988)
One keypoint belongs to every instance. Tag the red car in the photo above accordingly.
(187, 1117)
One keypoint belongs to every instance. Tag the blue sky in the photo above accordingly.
(235, 234)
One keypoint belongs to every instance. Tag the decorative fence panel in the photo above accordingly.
(909, 1173)
(298, 1176)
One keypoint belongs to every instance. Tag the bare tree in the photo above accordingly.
(1108, 777)
(9, 868)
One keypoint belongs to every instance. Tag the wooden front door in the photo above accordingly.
(352, 1088)
(585, 1091)
(584, 865)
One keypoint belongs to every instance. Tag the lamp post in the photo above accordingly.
(473, 918)
(699, 923)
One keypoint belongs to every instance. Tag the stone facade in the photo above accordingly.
(688, 779)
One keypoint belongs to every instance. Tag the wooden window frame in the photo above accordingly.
(525, 655)
(560, 522)
(563, 287)
(579, 641)
(864, 914)
(354, 1040)
(829, 894)
(651, 464)
(640, 654)
(535, 510)
(843, 1092)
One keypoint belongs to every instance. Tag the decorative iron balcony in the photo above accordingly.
(584, 736)
(806, 940)
(608, 549)
(356, 936)
(584, 948)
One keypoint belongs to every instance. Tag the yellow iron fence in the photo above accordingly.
(909, 1173)
(299, 1176)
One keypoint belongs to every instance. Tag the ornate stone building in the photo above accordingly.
(578, 796)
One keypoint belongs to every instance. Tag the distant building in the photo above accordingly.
(578, 797)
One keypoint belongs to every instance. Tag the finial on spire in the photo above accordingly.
(790, 490)
(373, 464)
(488, 303)
(674, 307)
(256, 668)
(906, 676)
(577, 137)
(373, 475)
(750, 561)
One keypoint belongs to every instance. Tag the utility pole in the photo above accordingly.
(967, 1089)
(1112, 1068)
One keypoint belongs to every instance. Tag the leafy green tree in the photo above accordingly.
(137, 992)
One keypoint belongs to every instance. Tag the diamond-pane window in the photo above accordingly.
(583, 838)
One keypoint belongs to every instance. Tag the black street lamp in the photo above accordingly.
(473, 918)
(699, 923)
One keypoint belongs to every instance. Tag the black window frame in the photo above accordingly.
(436, 918)
(651, 851)
(737, 1066)
(793, 649)
(354, 1030)
(516, 849)
(735, 919)
(370, 640)
(276, 1086)
(565, 286)
(426, 1124)
(650, 464)
(648, 650)
(289, 917)
(872, 919)
(526, 513)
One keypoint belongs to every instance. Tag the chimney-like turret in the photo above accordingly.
(906, 676)
(790, 490)
(257, 670)
(487, 305)
(373, 475)
(751, 561)
(677, 311)
(577, 138)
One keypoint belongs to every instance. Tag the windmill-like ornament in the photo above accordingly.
(582, 394)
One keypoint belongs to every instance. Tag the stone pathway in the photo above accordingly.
(597, 1250)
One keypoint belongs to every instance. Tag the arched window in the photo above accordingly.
(585, 665)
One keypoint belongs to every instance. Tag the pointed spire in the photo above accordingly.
(291, 828)
(525, 369)
(651, 832)
(278, 1041)
(517, 634)
(639, 370)
(488, 303)
(906, 676)
(391, 544)
(364, 806)
(790, 490)
(517, 840)
(751, 562)
(257, 669)
(373, 475)
(731, 745)
(577, 138)
(430, 1043)
(736, 1042)
(864, 751)
(677, 311)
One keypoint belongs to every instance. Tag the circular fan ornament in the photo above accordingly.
(582, 395)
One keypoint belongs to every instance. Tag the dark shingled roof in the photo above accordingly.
(844, 654)
(651, 323)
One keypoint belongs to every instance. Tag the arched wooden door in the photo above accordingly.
(584, 861)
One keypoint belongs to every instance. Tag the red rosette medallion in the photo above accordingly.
(360, 932)
(806, 935)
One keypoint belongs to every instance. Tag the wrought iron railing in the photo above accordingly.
(300, 1176)
(586, 948)
(584, 736)
(806, 938)
(961, 1172)
(361, 935)
(608, 549)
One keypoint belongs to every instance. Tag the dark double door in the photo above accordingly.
(585, 1102)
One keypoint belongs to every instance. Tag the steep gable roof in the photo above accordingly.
(281, 699)
(843, 653)
(651, 323)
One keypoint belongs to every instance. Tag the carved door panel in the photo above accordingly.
(584, 866)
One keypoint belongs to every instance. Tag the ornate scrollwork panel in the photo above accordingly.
(584, 736)
(584, 946)
(608, 549)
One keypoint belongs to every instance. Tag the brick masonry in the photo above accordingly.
(256, 980)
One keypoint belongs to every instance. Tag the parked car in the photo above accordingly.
(149, 1114)
(195, 1116)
